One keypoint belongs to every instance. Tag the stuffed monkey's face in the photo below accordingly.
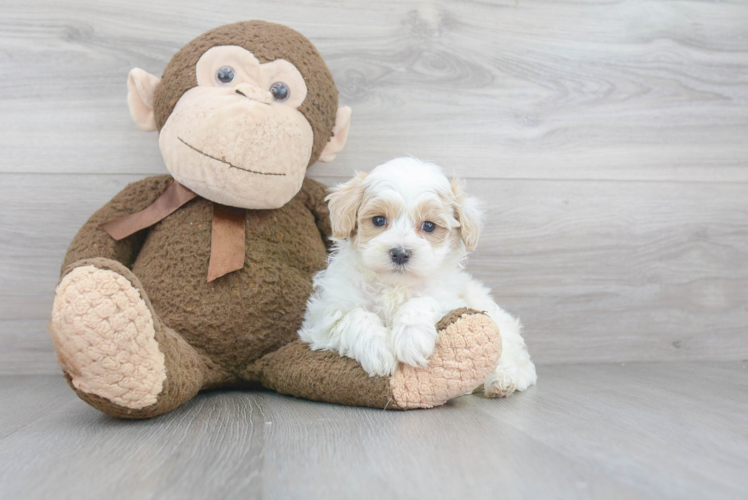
(237, 137)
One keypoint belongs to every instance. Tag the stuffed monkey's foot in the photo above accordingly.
(114, 350)
(105, 338)
(467, 350)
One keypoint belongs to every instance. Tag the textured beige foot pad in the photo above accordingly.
(104, 335)
(465, 355)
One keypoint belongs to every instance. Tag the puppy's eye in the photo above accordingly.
(428, 226)
(379, 221)
(280, 91)
(225, 75)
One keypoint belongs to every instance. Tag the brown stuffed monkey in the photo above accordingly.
(199, 279)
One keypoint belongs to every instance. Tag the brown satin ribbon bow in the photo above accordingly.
(227, 243)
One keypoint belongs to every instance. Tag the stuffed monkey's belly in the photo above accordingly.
(236, 319)
(240, 317)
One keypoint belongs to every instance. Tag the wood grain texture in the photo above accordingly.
(607, 139)
(649, 430)
(529, 89)
(596, 270)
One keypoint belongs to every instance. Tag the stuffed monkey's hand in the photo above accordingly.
(93, 242)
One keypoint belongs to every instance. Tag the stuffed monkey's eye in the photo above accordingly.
(280, 91)
(225, 75)
(428, 226)
(379, 221)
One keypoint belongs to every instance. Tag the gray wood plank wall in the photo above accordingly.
(608, 140)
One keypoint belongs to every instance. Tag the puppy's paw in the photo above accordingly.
(505, 380)
(377, 359)
(414, 343)
(499, 385)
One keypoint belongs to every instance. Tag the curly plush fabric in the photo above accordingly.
(106, 339)
(186, 371)
(237, 319)
(468, 349)
(239, 328)
(139, 331)
(268, 42)
(132, 381)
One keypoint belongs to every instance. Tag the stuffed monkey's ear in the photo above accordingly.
(469, 214)
(141, 87)
(339, 135)
(344, 201)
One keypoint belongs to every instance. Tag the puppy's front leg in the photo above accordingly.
(414, 330)
(363, 337)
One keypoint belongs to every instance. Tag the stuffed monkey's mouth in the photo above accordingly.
(231, 165)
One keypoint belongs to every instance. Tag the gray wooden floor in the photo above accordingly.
(642, 430)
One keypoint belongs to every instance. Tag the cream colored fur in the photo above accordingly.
(381, 313)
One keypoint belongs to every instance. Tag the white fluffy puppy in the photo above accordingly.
(402, 234)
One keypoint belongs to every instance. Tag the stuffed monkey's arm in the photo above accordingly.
(315, 193)
(93, 242)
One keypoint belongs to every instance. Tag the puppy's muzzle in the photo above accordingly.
(400, 256)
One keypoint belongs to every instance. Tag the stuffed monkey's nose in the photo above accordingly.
(254, 93)
(399, 256)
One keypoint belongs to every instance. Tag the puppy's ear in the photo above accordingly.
(469, 215)
(344, 201)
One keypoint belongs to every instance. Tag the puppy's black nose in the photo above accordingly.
(399, 256)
